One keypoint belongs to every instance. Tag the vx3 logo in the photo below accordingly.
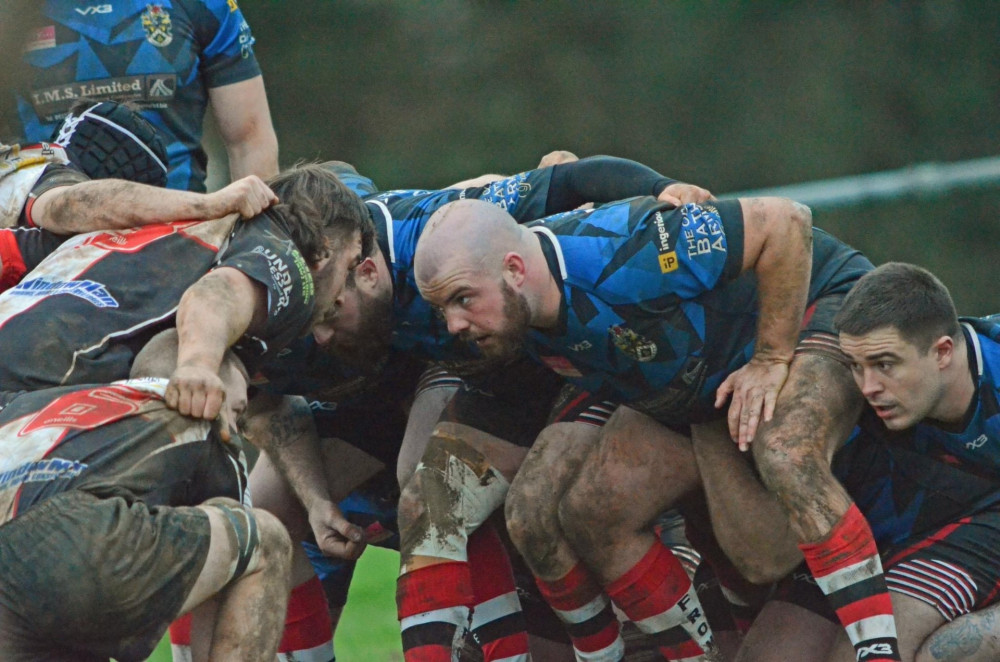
(93, 9)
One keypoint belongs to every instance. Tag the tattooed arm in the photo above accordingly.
(213, 313)
(109, 204)
(778, 249)
(283, 427)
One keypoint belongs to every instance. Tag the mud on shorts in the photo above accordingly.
(86, 578)
(515, 402)
(955, 569)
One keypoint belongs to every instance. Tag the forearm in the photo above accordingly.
(257, 155)
(783, 268)
(601, 179)
(111, 204)
(211, 317)
(283, 427)
(751, 526)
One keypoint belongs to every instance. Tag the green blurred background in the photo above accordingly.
(729, 95)
(733, 96)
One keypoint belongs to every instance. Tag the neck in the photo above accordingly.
(548, 298)
(959, 389)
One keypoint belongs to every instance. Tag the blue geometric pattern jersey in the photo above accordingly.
(655, 312)
(164, 56)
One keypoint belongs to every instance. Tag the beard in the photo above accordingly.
(367, 347)
(507, 342)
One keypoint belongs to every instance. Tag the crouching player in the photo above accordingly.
(118, 514)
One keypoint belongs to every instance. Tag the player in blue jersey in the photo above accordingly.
(381, 308)
(117, 514)
(673, 311)
(921, 466)
(174, 59)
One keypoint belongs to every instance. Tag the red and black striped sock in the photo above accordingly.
(497, 621)
(848, 570)
(582, 606)
(657, 595)
(433, 603)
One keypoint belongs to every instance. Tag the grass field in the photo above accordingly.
(368, 631)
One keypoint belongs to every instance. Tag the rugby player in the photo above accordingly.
(46, 192)
(117, 514)
(256, 285)
(359, 379)
(671, 311)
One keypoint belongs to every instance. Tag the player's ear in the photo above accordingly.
(944, 350)
(514, 268)
(367, 271)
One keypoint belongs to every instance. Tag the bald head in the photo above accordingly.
(471, 234)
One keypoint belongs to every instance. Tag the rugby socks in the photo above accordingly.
(434, 605)
(848, 570)
(498, 624)
(657, 595)
(308, 635)
(180, 639)
(583, 607)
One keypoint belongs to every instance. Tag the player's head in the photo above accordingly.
(899, 327)
(470, 264)
(329, 225)
(158, 358)
(112, 140)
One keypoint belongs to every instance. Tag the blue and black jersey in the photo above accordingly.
(400, 217)
(163, 55)
(655, 311)
(909, 482)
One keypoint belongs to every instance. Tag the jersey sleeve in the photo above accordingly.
(262, 251)
(226, 42)
(645, 251)
(54, 176)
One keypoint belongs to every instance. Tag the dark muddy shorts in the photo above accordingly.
(88, 579)
(514, 403)
(956, 570)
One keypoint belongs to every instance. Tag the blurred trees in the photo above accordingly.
(732, 95)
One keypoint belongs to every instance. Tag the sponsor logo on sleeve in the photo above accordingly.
(632, 344)
(702, 230)
(279, 276)
(978, 442)
(245, 40)
(304, 275)
(666, 256)
(158, 26)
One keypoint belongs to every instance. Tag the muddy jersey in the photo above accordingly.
(83, 313)
(111, 440)
(164, 55)
(655, 312)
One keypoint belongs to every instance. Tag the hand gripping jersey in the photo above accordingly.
(655, 312)
(111, 440)
(163, 55)
(84, 312)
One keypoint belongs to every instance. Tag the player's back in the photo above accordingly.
(82, 313)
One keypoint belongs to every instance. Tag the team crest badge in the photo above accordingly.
(632, 344)
(158, 26)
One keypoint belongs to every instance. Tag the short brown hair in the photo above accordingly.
(901, 296)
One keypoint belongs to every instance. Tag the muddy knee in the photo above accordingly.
(452, 492)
